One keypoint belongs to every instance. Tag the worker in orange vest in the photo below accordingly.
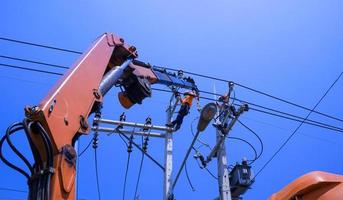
(186, 104)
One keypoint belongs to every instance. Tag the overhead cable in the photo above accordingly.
(298, 127)
(187, 72)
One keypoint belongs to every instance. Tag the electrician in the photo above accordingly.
(186, 104)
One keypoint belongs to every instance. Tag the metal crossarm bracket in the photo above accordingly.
(133, 124)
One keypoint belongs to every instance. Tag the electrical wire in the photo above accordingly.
(315, 123)
(248, 143)
(32, 61)
(85, 149)
(187, 72)
(198, 139)
(295, 131)
(139, 172)
(257, 136)
(188, 178)
(259, 92)
(210, 173)
(30, 69)
(39, 45)
(336, 129)
(298, 119)
(121, 137)
(307, 121)
(204, 76)
(12, 190)
(126, 171)
(138, 147)
(144, 148)
(97, 173)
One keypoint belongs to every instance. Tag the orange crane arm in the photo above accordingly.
(63, 113)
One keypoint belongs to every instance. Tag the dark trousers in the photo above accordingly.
(184, 109)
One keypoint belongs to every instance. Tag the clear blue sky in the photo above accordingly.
(292, 49)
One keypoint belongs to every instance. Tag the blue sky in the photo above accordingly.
(292, 49)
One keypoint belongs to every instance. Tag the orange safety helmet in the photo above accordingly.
(191, 93)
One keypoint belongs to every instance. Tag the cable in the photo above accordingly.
(198, 139)
(139, 175)
(258, 137)
(308, 121)
(323, 125)
(315, 123)
(191, 73)
(289, 102)
(96, 173)
(291, 115)
(297, 120)
(211, 173)
(85, 149)
(39, 45)
(248, 143)
(12, 190)
(15, 150)
(129, 150)
(259, 92)
(188, 178)
(30, 69)
(144, 147)
(295, 131)
(10, 130)
(34, 62)
(121, 137)
(138, 147)
(326, 126)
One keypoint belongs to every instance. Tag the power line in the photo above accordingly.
(140, 169)
(288, 118)
(295, 131)
(129, 150)
(188, 178)
(323, 125)
(289, 102)
(210, 173)
(30, 69)
(260, 92)
(326, 126)
(280, 112)
(32, 61)
(187, 72)
(337, 129)
(248, 143)
(39, 45)
(307, 121)
(257, 136)
(49, 64)
(12, 190)
(97, 173)
(85, 149)
(139, 148)
(126, 172)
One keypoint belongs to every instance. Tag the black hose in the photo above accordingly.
(12, 129)
(15, 150)
(49, 154)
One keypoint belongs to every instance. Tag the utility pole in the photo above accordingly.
(168, 154)
(227, 113)
(222, 163)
